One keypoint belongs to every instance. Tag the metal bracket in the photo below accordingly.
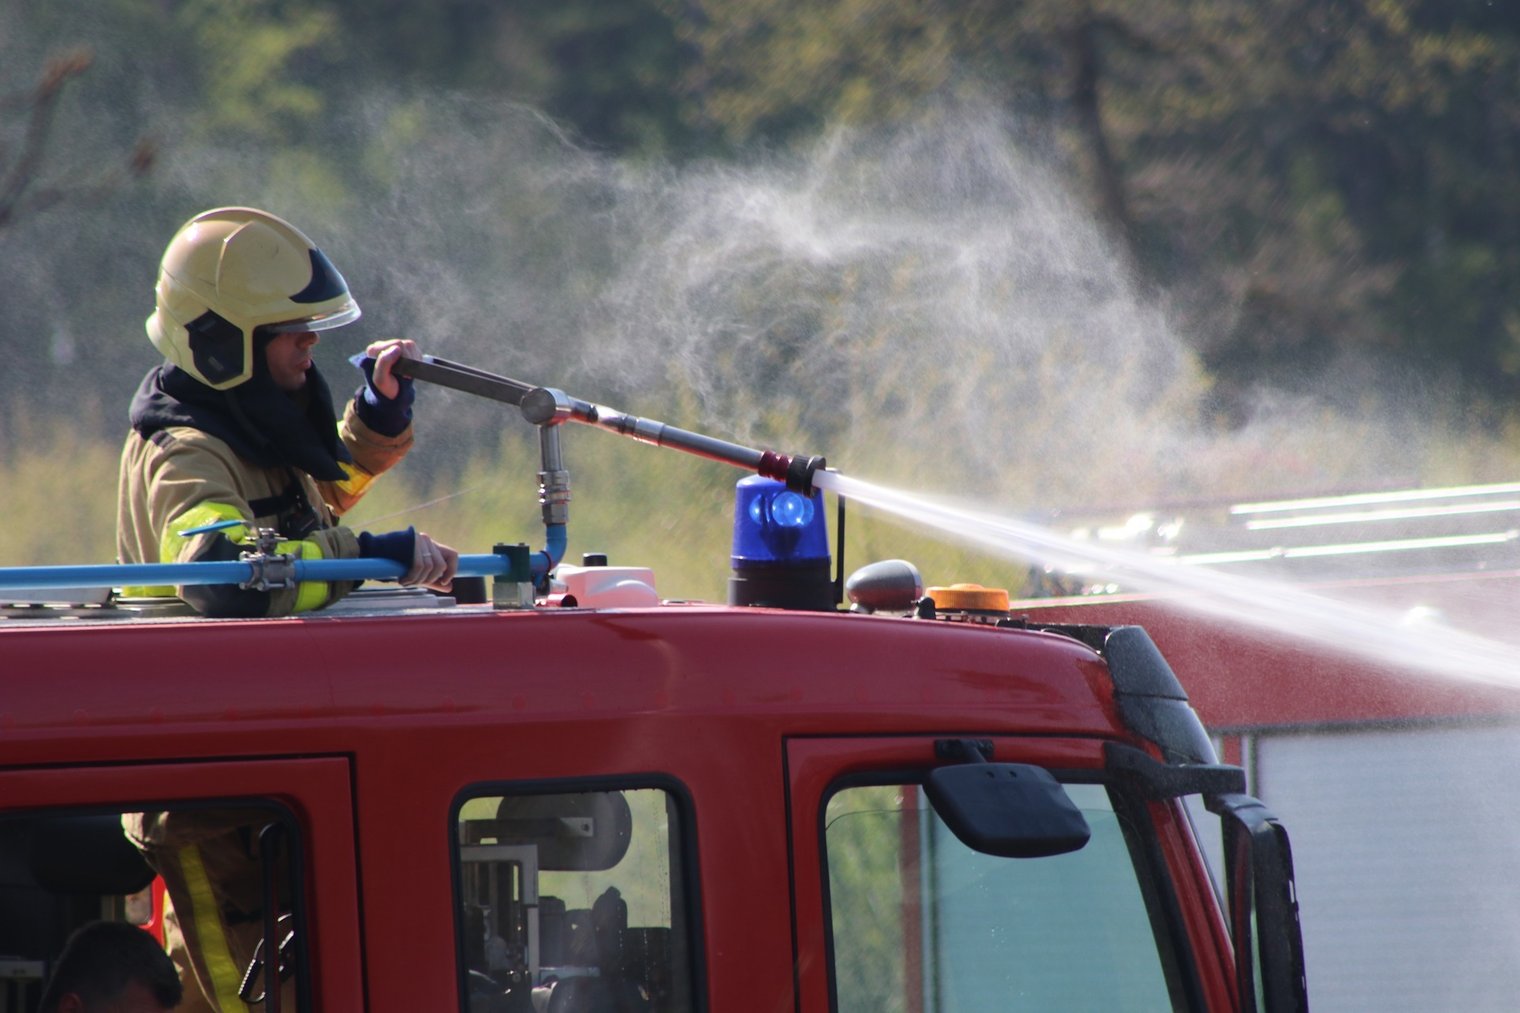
(963, 750)
(1160, 780)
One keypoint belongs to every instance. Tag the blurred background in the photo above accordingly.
(1054, 257)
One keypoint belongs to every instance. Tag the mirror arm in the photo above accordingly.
(963, 750)
(1159, 780)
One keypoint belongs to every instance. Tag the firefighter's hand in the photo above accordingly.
(385, 353)
(433, 564)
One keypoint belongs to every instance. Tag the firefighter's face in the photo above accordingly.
(289, 357)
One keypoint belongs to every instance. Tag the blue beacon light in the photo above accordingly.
(780, 549)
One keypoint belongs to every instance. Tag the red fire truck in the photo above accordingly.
(575, 796)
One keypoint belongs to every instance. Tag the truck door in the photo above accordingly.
(894, 912)
(65, 861)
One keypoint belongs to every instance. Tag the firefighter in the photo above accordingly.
(234, 433)
(212, 864)
(111, 966)
(238, 424)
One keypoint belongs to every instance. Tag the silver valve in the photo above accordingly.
(270, 570)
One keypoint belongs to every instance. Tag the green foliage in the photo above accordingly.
(606, 70)
(1308, 178)
(257, 59)
(1321, 174)
(1305, 178)
(866, 870)
(780, 70)
(57, 495)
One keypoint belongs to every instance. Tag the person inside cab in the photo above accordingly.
(236, 430)
(112, 967)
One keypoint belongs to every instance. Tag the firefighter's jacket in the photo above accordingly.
(181, 476)
(211, 862)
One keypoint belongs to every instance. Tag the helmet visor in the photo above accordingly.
(321, 322)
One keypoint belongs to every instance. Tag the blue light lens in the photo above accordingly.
(773, 524)
(791, 510)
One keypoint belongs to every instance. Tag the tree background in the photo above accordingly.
(1050, 255)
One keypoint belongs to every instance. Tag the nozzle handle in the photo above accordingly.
(465, 378)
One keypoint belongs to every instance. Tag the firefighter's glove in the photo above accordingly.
(428, 563)
(388, 416)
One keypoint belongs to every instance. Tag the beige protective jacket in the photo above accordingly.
(183, 478)
(215, 907)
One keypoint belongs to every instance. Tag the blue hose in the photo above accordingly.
(50, 578)
(44, 578)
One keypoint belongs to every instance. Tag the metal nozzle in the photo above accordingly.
(795, 470)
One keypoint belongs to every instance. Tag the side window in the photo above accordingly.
(574, 901)
(919, 921)
(213, 885)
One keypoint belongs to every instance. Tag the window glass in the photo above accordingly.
(192, 877)
(573, 901)
(920, 922)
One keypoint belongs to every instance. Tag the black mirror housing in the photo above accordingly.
(1012, 810)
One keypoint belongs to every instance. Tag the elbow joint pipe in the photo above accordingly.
(556, 539)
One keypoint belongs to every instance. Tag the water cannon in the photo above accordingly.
(780, 544)
(547, 407)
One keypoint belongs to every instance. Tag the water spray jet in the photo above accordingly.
(1284, 610)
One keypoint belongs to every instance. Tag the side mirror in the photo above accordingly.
(1264, 920)
(1012, 810)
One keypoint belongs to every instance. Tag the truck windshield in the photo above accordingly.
(922, 924)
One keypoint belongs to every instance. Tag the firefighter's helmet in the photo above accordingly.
(229, 271)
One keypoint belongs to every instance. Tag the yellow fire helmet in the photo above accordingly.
(231, 270)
